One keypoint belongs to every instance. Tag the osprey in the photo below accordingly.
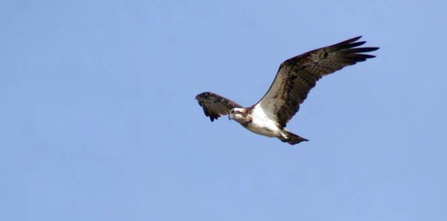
(294, 79)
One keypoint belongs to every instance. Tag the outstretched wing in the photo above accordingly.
(298, 75)
(215, 105)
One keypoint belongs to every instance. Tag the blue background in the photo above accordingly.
(98, 119)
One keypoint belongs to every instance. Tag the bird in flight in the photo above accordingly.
(294, 79)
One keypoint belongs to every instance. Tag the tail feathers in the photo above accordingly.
(292, 138)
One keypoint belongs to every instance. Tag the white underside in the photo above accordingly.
(263, 123)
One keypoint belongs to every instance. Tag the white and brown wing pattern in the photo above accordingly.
(298, 75)
(214, 106)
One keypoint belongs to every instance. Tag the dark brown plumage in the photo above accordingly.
(298, 75)
(294, 79)
(215, 105)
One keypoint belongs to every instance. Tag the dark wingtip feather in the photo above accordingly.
(353, 39)
(362, 56)
(367, 56)
(360, 50)
(353, 53)
(350, 43)
(355, 44)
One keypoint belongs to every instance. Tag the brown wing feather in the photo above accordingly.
(214, 106)
(298, 75)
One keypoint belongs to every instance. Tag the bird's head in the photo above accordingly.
(238, 114)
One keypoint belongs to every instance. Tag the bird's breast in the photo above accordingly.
(264, 127)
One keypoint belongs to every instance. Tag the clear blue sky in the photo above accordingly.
(98, 119)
